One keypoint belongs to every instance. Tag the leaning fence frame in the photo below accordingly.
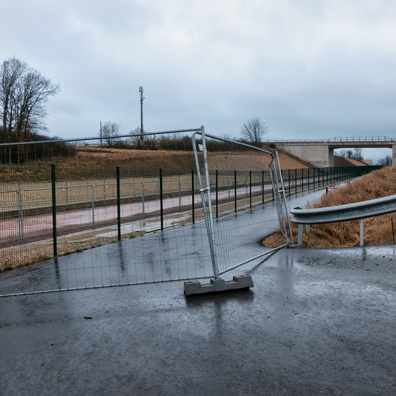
(206, 197)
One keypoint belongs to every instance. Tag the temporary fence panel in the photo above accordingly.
(224, 235)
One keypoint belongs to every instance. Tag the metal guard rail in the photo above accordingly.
(332, 214)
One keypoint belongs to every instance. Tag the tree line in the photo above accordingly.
(24, 92)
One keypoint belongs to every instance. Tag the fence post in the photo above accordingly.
(180, 198)
(262, 186)
(20, 215)
(313, 178)
(361, 232)
(217, 194)
(92, 204)
(143, 192)
(161, 200)
(192, 196)
(235, 191)
(302, 180)
(53, 185)
(118, 203)
(250, 188)
(308, 172)
(300, 234)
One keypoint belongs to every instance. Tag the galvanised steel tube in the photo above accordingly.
(54, 236)
(118, 203)
(192, 196)
(206, 200)
(161, 199)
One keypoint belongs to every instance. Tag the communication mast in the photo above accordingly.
(141, 113)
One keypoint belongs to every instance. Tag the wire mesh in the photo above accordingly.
(228, 249)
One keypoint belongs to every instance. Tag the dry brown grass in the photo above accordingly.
(176, 160)
(378, 230)
(91, 162)
(143, 159)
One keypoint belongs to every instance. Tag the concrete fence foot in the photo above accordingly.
(218, 285)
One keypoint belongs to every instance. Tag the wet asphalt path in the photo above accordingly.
(316, 323)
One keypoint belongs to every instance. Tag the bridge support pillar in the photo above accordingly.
(331, 157)
(394, 154)
(317, 154)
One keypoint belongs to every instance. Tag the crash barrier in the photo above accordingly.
(51, 215)
(359, 210)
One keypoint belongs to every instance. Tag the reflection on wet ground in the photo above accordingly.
(306, 328)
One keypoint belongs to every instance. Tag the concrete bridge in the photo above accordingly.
(320, 152)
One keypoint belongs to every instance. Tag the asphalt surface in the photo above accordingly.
(316, 322)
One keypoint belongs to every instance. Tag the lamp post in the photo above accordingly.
(141, 113)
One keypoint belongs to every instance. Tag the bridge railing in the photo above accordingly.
(338, 139)
(362, 139)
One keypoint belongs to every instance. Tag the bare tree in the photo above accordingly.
(23, 95)
(109, 131)
(346, 153)
(356, 154)
(254, 129)
(387, 161)
(11, 73)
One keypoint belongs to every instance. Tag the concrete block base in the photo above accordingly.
(218, 285)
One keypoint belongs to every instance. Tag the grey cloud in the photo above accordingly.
(309, 69)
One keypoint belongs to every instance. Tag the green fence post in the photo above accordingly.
(308, 172)
(161, 200)
(314, 177)
(53, 188)
(235, 191)
(118, 203)
(192, 196)
(250, 187)
(217, 194)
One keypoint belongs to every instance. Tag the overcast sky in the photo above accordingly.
(308, 68)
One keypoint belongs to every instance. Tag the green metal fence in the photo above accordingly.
(49, 211)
